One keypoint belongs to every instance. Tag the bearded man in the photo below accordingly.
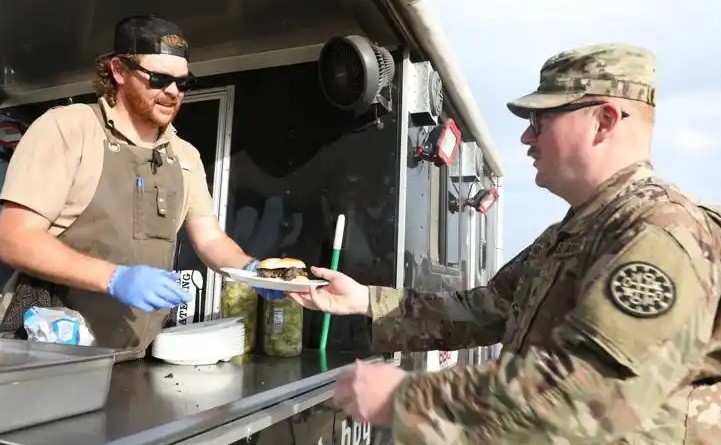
(95, 195)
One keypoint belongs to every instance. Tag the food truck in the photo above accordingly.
(304, 111)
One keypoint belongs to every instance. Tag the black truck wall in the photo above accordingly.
(296, 164)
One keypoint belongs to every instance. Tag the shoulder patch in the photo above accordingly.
(641, 290)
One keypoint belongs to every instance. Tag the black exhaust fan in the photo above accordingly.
(356, 74)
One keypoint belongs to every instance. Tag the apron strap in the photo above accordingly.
(102, 118)
(115, 142)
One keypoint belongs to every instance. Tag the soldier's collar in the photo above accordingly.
(578, 219)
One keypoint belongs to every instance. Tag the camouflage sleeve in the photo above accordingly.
(409, 320)
(643, 318)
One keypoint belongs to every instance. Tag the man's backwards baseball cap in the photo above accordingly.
(610, 69)
(148, 35)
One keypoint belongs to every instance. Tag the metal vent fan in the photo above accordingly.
(354, 73)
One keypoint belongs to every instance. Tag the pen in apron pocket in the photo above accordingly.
(139, 185)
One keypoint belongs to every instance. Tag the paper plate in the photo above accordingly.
(271, 283)
(203, 343)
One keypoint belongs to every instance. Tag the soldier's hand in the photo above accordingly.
(365, 392)
(342, 296)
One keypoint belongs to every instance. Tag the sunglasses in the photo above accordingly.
(534, 117)
(162, 81)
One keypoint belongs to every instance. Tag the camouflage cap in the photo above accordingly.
(610, 69)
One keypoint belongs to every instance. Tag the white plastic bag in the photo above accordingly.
(57, 325)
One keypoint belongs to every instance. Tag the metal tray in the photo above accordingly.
(41, 382)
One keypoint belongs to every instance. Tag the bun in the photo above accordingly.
(281, 263)
(291, 262)
(269, 263)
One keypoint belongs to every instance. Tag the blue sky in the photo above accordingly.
(501, 45)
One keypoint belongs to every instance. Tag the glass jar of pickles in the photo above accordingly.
(283, 327)
(240, 300)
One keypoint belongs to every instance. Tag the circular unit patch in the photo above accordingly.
(642, 290)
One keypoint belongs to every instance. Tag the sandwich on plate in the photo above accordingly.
(287, 269)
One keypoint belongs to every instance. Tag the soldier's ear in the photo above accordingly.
(607, 116)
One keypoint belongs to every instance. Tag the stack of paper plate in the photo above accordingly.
(202, 343)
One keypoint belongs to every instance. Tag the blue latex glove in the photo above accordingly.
(147, 288)
(268, 294)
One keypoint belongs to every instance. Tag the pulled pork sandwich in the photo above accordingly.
(287, 269)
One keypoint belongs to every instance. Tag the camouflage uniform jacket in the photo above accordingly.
(610, 324)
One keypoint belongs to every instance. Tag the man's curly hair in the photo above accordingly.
(104, 82)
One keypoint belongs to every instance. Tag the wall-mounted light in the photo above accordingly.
(483, 200)
(442, 144)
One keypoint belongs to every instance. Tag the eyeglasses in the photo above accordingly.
(534, 117)
(162, 81)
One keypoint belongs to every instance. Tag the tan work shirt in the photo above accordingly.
(56, 167)
(610, 327)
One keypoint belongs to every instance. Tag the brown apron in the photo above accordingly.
(123, 224)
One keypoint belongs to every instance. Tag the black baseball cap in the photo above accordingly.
(144, 35)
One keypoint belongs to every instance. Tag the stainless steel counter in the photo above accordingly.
(152, 402)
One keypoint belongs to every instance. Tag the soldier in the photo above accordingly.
(609, 319)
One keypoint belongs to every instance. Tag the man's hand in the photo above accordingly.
(267, 294)
(365, 392)
(342, 296)
(147, 288)
(217, 250)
